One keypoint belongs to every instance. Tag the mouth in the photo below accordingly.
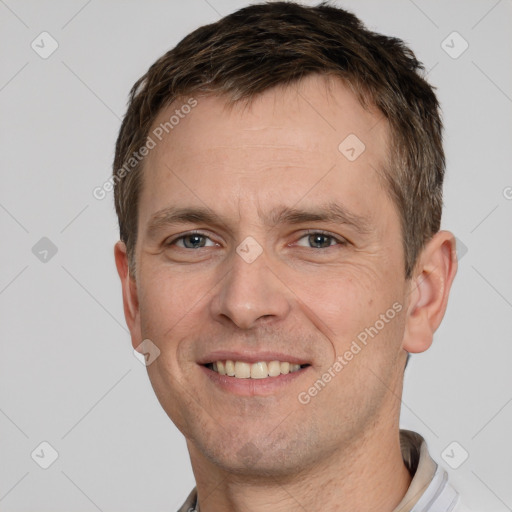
(257, 370)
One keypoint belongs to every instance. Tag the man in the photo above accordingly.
(278, 181)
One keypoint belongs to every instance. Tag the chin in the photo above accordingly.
(258, 455)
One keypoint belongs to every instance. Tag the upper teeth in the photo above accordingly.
(260, 370)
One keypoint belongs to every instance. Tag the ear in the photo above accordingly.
(429, 290)
(130, 299)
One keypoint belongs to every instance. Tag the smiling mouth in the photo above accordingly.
(259, 370)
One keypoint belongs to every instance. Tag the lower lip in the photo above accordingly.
(253, 387)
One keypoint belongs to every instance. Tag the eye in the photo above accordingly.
(192, 241)
(319, 240)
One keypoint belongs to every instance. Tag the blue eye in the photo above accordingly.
(319, 240)
(192, 241)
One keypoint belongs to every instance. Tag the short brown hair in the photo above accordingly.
(278, 43)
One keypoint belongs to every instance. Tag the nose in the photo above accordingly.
(250, 293)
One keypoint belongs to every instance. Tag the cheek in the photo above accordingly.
(171, 313)
(164, 320)
(174, 308)
(338, 302)
(168, 300)
(347, 303)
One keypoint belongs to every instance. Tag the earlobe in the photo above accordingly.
(130, 298)
(430, 288)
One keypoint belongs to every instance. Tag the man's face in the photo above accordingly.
(301, 291)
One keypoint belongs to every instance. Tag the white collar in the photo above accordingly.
(429, 490)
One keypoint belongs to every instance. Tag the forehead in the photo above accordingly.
(315, 112)
(314, 134)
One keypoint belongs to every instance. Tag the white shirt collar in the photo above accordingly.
(429, 490)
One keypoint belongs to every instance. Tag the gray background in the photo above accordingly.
(68, 374)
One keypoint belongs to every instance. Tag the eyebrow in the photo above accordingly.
(174, 215)
(330, 212)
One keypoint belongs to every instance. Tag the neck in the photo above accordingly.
(368, 475)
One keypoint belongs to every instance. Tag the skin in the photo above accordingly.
(261, 451)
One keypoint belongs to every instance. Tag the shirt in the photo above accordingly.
(429, 490)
